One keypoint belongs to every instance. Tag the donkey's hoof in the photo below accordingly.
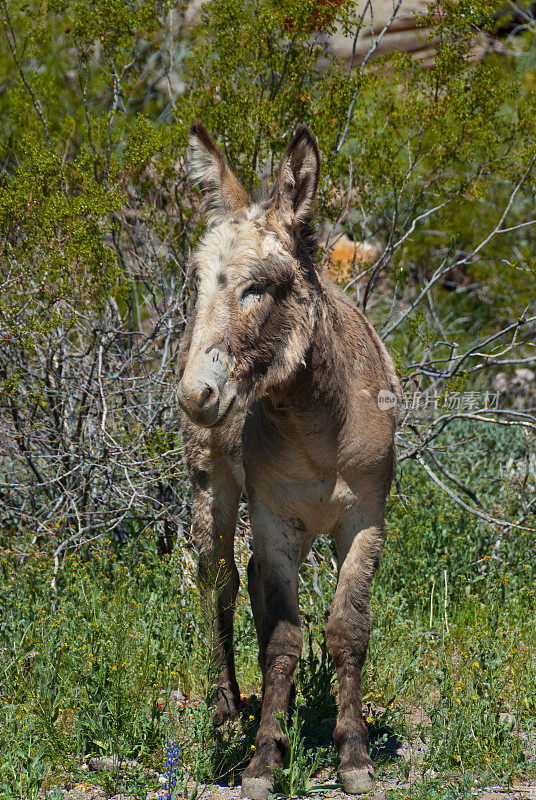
(357, 781)
(257, 788)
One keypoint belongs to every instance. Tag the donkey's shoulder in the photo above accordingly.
(356, 337)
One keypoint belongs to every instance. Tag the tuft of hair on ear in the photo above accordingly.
(221, 190)
(297, 177)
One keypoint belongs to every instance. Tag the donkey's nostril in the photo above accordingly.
(199, 397)
(206, 395)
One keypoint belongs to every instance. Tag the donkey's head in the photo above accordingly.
(252, 322)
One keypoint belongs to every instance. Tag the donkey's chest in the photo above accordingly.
(301, 477)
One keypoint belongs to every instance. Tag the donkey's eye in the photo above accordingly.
(252, 294)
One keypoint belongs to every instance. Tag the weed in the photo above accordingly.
(315, 676)
(300, 764)
(24, 771)
(451, 667)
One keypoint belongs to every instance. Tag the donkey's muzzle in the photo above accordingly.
(200, 401)
(204, 393)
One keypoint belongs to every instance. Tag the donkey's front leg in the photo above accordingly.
(273, 586)
(359, 543)
(214, 509)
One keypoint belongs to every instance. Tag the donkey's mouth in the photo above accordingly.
(205, 420)
(224, 416)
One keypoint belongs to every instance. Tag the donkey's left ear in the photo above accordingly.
(222, 191)
(297, 177)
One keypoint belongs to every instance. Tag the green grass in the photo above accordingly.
(450, 678)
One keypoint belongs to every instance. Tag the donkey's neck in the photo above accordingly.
(318, 385)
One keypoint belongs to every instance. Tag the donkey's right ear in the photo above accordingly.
(221, 189)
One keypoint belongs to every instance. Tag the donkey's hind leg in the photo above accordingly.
(273, 585)
(359, 543)
(214, 510)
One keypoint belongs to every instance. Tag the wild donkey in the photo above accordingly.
(280, 377)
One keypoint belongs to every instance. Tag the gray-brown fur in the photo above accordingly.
(279, 384)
